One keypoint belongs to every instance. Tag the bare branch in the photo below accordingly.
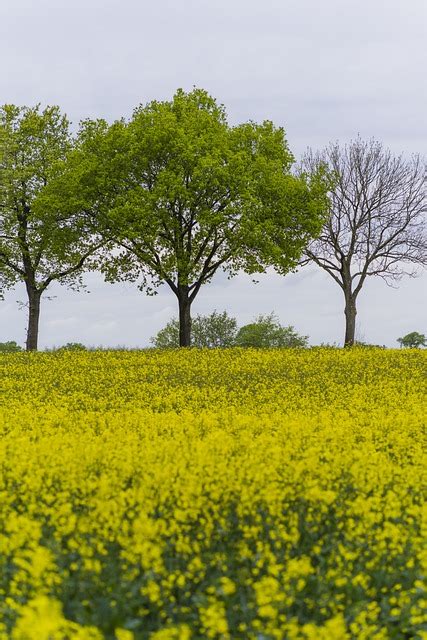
(377, 223)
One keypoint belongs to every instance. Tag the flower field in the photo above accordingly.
(213, 494)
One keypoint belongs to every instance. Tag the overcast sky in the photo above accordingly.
(324, 70)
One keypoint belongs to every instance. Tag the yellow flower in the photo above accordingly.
(213, 493)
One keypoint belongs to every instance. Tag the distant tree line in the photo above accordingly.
(175, 194)
(220, 330)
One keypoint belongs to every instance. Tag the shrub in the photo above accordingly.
(266, 332)
(214, 330)
(9, 347)
(72, 346)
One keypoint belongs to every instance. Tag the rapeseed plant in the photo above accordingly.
(213, 494)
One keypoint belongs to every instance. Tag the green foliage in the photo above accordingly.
(214, 330)
(182, 193)
(413, 340)
(40, 242)
(72, 346)
(220, 330)
(168, 337)
(9, 347)
(267, 331)
(360, 344)
(36, 241)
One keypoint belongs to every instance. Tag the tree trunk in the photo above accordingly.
(350, 320)
(184, 316)
(33, 319)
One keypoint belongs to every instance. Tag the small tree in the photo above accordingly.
(168, 337)
(185, 194)
(266, 332)
(38, 243)
(72, 346)
(413, 340)
(9, 347)
(377, 224)
(214, 330)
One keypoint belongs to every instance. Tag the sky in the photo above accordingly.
(325, 71)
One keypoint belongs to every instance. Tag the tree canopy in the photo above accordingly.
(38, 244)
(183, 194)
(413, 340)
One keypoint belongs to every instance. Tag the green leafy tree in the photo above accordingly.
(9, 347)
(185, 194)
(214, 330)
(38, 244)
(413, 340)
(266, 332)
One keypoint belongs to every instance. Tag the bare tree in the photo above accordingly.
(377, 222)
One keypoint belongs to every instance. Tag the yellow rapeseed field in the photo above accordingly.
(213, 494)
